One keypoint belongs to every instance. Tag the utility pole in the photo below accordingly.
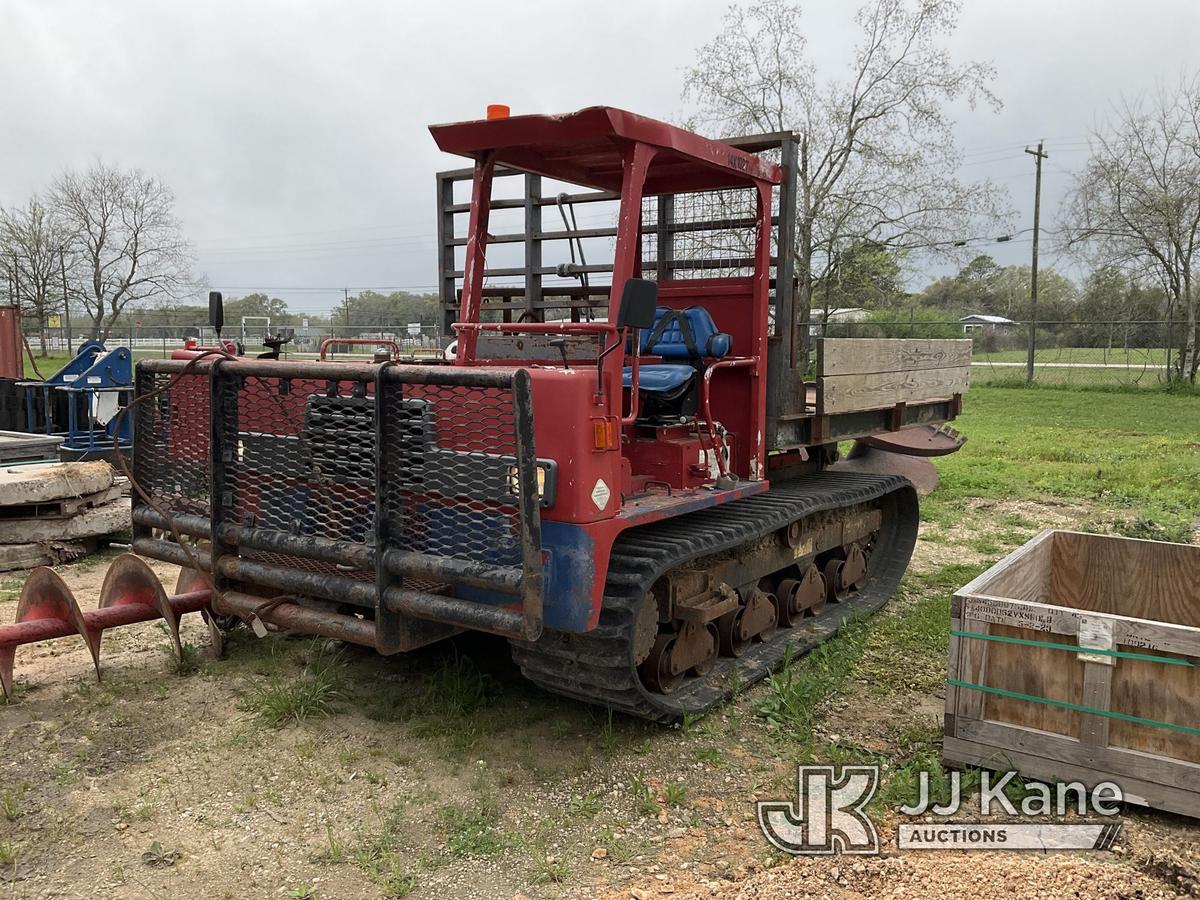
(62, 263)
(346, 294)
(1039, 154)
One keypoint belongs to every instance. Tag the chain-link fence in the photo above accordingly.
(307, 342)
(1102, 354)
(1078, 353)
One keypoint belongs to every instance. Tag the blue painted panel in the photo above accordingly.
(570, 575)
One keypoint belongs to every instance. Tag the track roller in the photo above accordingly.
(755, 618)
(845, 573)
(805, 523)
(692, 650)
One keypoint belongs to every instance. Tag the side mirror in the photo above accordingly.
(216, 312)
(639, 300)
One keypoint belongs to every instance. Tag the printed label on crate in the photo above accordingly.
(1096, 633)
(984, 609)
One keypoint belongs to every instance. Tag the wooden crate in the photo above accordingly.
(1139, 602)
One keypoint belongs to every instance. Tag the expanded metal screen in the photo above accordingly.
(290, 466)
(171, 440)
(450, 485)
(298, 458)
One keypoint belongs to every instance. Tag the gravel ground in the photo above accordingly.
(567, 803)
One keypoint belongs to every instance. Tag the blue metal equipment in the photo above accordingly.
(95, 385)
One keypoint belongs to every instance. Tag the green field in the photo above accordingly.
(1136, 453)
(1154, 356)
(51, 363)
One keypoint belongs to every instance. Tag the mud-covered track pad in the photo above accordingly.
(598, 666)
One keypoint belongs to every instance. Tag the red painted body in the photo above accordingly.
(651, 473)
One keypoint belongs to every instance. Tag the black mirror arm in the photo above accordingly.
(604, 353)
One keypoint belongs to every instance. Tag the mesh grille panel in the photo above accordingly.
(322, 469)
(171, 442)
(452, 491)
(299, 459)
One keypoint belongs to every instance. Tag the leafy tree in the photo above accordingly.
(877, 151)
(914, 321)
(982, 286)
(257, 304)
(865, 275)
(973, 290)
(373, 311)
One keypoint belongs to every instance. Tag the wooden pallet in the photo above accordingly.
(1122, 704)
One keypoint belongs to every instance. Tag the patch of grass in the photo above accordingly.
(309, 694)
(302, 892)
(585, 806)
(676, 794)
(797, 689)
(1148, 529)
(906, 648)
(445, 705)
(335, 847)
(10, 804)
(619, 850)
(548, 869)
(474, 830)
(67, 774)
(377, 856)
(1133, 450)
(141, 810)
(8, 853)
(644, 796)
(710, 755)
(399, 884)
(609, 741)
(189, 662)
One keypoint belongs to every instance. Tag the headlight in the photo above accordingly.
(546, 470)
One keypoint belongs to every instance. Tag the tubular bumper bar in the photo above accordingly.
(383, 572)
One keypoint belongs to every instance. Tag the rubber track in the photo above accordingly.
(597, 666)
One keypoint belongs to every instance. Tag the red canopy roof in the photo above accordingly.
(585, 148)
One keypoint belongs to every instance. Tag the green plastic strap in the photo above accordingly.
(1108, 714)
(1123, 654)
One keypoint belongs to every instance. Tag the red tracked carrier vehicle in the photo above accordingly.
(632, 481)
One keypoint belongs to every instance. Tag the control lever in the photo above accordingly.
(560, 342)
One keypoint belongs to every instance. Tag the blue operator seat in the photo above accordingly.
(686, 337)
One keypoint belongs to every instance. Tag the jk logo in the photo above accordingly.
(828, 815)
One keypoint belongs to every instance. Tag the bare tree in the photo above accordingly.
(31, 243)
(125, 242)
(877, 153)
(1136, 205)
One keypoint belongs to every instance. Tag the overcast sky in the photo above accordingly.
(294, 133)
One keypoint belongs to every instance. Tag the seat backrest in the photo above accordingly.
(685, 334)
